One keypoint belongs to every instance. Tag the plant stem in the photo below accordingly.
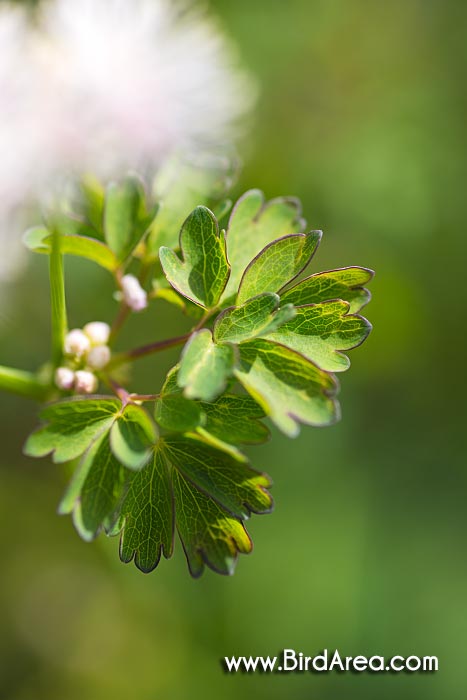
(144, 397)
(120, 319)
(124, 357)
(123, 394)
(26, 384)
(57, 300)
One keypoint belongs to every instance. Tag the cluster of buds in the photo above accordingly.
(86, 352)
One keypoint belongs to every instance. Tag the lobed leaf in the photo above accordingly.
(173, 410)
(231, 419)
(146, 516)
(234, 418)
(132, 437)
(290, 388)
(71, 426)
(253, 224)
(257, 316)
(235, 485)
(345, 283)
(209, 534)
(321, 331)
(206, 492)
(277, 264)
(102, 484)
(205, 367)
(203, 273)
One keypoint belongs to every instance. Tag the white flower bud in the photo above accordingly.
(133, 294)
(97, 332)
(64, 378)
(77, 343)
(85, 382)
(98, 357)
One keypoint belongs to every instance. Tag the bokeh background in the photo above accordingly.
(362, 114)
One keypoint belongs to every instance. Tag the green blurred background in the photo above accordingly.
(362, 114)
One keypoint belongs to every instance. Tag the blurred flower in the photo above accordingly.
(129, 80)
(133, 294)
(98, 332)
(106, 86)
(98, 357)
(77, 343)
(64, 378)
(85, 382)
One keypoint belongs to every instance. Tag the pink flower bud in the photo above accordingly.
(77, 343)
(85, 382)
(134, 295)
(97, 332)
(64, 378)
(98, 357)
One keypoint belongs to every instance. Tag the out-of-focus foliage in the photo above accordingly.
(363, 116)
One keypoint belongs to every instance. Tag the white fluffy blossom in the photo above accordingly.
(136, 78)
(107, 85)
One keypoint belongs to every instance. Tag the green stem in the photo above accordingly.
(22, 383)
(57, 300)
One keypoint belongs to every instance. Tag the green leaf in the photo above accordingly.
(277, 264)
(253, 224)
(101, 489)
(209, 534)
(213, 493)
(182, 185)
(233, 483)
(39, 240)
(321, 331)
(222, 209)
(346, 284)
(173, 410)
(233, 418)
(257, 316)
(203, 273)
(132, 437)
(126, 219)
(146, 516)
(205, 367)
(93, 202)
(73, 489)
(290, 388)
(71, 426)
